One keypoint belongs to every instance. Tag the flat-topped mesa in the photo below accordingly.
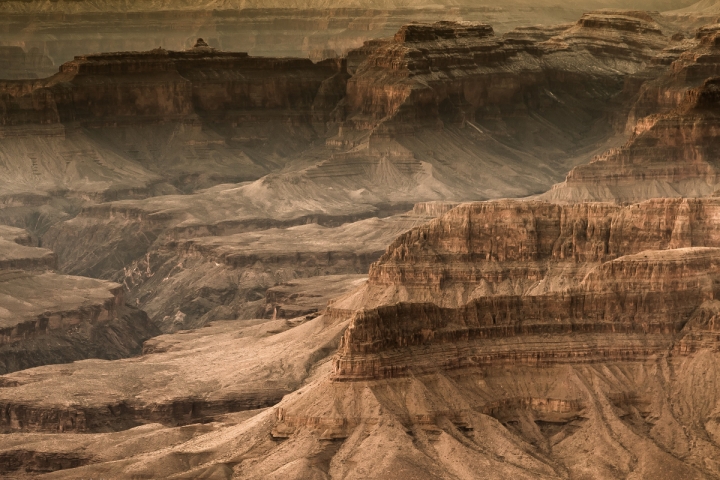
(509, 269)
(635, 21)
(673, 154)
(419, 33)
(161, 85)
(431, 74)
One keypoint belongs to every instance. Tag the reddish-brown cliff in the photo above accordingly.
(458, 72)
(162, 85)
(499, 270)
(671, 154)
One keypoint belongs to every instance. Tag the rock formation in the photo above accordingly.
(535, 338)
(412, 78)
(506, 334)
(46, 317)
(510, 269)
(62, 30)
(673, 147)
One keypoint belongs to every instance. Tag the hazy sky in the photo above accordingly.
(69, 6)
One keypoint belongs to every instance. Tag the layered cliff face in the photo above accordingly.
(130, 125)
(46, 317)
(463, 72)
(670, 155)
(586, 346)
(365, 165)
(126, 125)
(508, 269)
(586, 327)
(672, 150)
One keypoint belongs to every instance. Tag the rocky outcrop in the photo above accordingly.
(179, 391)
(458, 72)
(672, 150)
(270, 273)
(47, 318)
(163, 85)
(50, 318)
(492, 271)
(670, 155)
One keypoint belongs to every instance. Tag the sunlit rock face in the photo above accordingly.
(527, 314)
(463, 72)
(508, 269)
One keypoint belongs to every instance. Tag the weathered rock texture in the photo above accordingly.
(133, 125)
(500, 270)
(442, 111)
(673, 149)
(164, 85)
(185, 283)
(46, 317)
(508, 334)
(522, 339)
(175, 381)
(460, 73)
(137, 124)
(320, 30)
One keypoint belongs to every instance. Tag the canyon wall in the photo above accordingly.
(672, 151)
(46, 317)
(506, 269)
(166, 85)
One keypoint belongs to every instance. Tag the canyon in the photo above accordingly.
(48, 317)
(366, 264)
(49, 34)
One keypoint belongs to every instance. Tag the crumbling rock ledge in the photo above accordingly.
(511, 269)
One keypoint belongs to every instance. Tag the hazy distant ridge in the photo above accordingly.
(80, 6)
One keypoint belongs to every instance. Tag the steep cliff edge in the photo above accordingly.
(506, 269)
(673, 149)
(586, 328)
(47, 318)
(458, 72)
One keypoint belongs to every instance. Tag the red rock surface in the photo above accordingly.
(673, 148)
(507, 269)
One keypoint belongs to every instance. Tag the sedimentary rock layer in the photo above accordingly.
(463, 73)
(673, 148)
(163, 84)
(46, 317)
(507, 269)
